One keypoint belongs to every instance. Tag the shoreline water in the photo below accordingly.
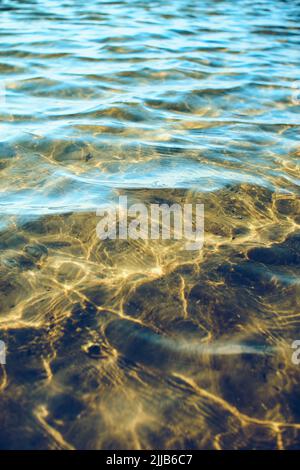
(140, 343)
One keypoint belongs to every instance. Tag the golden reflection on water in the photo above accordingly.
(143, 344)
(133, 344)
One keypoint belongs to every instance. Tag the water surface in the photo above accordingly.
(142, 344)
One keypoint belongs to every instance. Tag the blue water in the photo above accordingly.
(157, 94)
(142, 344)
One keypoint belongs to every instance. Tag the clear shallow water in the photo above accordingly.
(204, 90)
(168, 101)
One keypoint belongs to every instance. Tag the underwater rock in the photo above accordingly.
(11, 240)
(21, 262)
(7, 151)
(293, 241)
(249, 274)
(287, 206)
(277, 255)
(18, 429)
(36, 251)
(65, 407)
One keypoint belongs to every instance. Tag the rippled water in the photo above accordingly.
(140, 344)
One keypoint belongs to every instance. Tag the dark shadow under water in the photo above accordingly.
(142, 344)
